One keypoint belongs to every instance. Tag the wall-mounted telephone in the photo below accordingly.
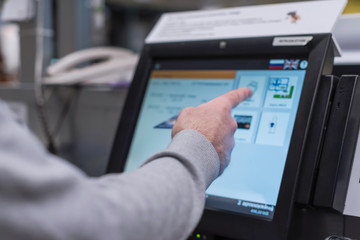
(93, 66)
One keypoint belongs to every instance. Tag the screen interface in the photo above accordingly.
(250, 185)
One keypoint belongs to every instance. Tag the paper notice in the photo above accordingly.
(266, 20)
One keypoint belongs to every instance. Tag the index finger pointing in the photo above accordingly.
(235, 97)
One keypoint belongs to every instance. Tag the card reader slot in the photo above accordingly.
(334, 165)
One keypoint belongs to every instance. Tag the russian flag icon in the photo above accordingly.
(276, 64)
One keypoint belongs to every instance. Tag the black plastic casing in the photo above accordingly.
(314, 143)
(339, 145)
(319, 53)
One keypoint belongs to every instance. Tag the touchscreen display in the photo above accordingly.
(250, 185)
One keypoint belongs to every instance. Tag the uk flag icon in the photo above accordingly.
(291, 64)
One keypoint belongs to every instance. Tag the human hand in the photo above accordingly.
(213, 119)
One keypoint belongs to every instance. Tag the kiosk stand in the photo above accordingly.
(295, 141)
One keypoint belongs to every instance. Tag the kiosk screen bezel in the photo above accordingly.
(320, 56)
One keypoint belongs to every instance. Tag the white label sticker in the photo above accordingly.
(284, 19)
(292, 41)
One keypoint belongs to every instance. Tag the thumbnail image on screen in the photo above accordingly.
(251, 183)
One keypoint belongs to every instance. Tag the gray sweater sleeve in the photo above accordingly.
(44, 197)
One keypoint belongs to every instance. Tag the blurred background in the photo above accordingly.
(73, 25)
(78, 122)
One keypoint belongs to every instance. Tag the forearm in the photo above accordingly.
(165, 197)
(43, 197)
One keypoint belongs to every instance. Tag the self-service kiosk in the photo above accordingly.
(295, 141)
(294, 172)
